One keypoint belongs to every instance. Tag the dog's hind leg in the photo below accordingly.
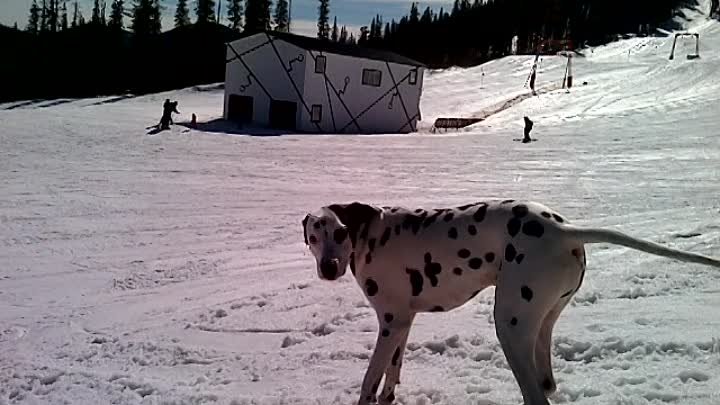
(394, 330)
(543, 351)
(392, 374)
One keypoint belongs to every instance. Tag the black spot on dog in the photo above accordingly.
(385, 236)
(375, 386)
(364, 233)
(368, 258)
(340, 235)
(369, 398)
(316, 225)
(313, 239)
(371, 287)
(558, 218)
(576, 253)
(546, 214)
(520, 210)
(566, 294)
(419, 210)
(371, 244)
(519, 258)
(533, 228)
(474, 294)
(463, 253)
(475, 263)
(394, 209)
(489, 257)
(449, 217)
(352, 263)
(452, 233)
(526, 293)
(397, 229)
(457, 270)
(414, 221)
(416, 281)
(513, 321)
(431, 219)
(513, 226)
(322, 222)
(391, 397)
(547, 384)
(437, 309)
(354, 216)
(432, 269)
(510, 252)
(508, 202)
(466, 206)
(388, 317)
(479, 215)
(396, 357)
(472, 230)
(385, 333)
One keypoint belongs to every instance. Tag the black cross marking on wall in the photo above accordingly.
(347, 110)
(239, 57)
(393, 88)
(251, 50)
(297, 91)
(402, 102)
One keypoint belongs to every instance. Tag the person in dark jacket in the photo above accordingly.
(528, 128)
(168, 108)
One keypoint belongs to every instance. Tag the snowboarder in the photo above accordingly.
(528, 128)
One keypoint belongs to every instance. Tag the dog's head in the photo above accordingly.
(332, 235)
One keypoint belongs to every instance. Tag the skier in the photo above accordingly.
(528, 128)
(168, 109)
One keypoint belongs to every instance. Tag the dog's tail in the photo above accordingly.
(598, 235)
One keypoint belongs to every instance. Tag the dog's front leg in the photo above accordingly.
(393, 330)
(392, 374)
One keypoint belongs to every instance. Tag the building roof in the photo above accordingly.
(315, 44)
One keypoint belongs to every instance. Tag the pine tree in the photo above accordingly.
(116, 15)
(335, 35)
(63, 16)
(235, 14)
(323, 19)
(146, 17)
(76, 15)
(343, 35)
(352, 40)
(414, 14)
(281, 16)
(96, 18)
(33, 25)
(43, 17)
(15, 27)
(182, 14)
(52, 16)
(257, 15)
(205, 11)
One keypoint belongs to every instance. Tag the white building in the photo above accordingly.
(287, 81)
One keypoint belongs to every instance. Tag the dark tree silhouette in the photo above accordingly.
(335, 34)
(235, 14)
(281, 16)
(33, 25)
(63, 16)
(323, 19)
(205, 11)
(146, 18)
(182, 14)
(343, 35)
(98, 13)
(117, 12)
(257, 15)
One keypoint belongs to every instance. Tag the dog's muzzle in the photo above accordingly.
(329, 268)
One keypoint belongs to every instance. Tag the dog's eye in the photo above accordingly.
(339, 235)
(312, 239)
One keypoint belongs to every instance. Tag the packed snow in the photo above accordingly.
(171, 268)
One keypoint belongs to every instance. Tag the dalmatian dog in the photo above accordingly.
(411, 261)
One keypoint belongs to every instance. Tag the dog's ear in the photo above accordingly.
(304, 224)
(354, 216)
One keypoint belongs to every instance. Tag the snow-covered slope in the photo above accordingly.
(170, 269)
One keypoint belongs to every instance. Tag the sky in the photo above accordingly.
(353, 13)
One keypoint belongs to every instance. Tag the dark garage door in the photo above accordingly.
(240, 108)
(282, 114)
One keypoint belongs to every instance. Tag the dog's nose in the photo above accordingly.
(329, 268)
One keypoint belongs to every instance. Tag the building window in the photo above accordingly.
(316, 113)
(320, 63)
(413, 77)
(371, 77)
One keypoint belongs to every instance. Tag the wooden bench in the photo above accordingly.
(455, 123)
